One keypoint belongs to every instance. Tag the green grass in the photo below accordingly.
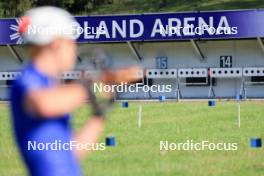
(137, 151)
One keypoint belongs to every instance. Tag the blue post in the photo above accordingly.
(162, 98)
(238, 97)
(211, 103)
(110, 141)
(124, 104)
(255, 142)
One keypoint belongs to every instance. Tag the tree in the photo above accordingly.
(15, 8)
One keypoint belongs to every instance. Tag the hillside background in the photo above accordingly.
(14, 8)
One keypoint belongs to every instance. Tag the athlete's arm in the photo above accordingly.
(52, 102)
(88, 134)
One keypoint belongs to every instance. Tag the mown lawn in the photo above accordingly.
(138, 149)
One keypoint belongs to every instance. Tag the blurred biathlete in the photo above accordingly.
(40, 104)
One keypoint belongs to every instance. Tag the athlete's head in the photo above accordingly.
(51, 32)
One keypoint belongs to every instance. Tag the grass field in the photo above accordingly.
(137, 152)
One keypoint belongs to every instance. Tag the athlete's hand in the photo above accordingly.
(99, 101)
(102, 101)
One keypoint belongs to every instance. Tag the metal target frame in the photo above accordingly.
(224, 73)
(161, 74)
(219, 73)
(184, 73)
(248, 72)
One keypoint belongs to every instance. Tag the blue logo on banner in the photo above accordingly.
(15, 36)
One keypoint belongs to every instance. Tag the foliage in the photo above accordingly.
(14, 8)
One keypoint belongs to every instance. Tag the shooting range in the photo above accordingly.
(216, 83)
